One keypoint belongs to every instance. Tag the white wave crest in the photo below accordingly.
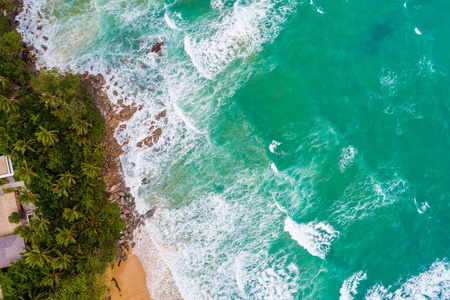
(315, 237)
(348, 289)
(170, 22)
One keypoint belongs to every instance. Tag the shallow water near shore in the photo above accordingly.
(303, 154)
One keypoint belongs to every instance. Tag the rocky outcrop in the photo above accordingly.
(11, 22)
(112, 167)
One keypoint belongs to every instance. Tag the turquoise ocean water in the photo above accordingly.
(305, 150)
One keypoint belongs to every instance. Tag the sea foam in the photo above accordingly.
(350, 285)
(433, 283)
(315, 237)
(241, 32)
(347, 157)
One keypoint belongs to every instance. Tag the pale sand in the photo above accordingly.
(131, 279)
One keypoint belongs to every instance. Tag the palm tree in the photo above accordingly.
(4, 135)
(51, 279)
(8, 105)
(68, 178)
(66, 236)
(61, 188)
(90, 170)
(22, 146)
(91, 232)
(100, 149)
(5, 84)
(15, 118)
(62, 262)
(35, 295)
(27, 233)
(36, 257)
(81, 127)
(25, 173)
(47, 137)
(71, 214)
(40, 224)
(27, 197)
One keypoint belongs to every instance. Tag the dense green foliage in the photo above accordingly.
(14, 218)
(83, 287)
(53, 133)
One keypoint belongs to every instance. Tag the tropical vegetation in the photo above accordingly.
(52, 131)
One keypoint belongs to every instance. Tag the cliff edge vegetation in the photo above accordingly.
(53, 132)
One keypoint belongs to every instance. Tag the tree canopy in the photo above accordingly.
(74, 235)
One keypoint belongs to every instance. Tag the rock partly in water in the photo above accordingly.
(157, 47)
(149, 214)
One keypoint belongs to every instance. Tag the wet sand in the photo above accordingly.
(131, 280)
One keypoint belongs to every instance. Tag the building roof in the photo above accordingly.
(10, 249)
(8, 205)
(6, 168)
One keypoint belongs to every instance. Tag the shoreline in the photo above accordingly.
(127, 280)
(158, 277)
(117, 190)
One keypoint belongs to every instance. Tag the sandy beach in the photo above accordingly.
(130, 278)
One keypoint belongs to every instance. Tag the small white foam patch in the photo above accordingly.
(273, 146)
(315, 237)
(320, 10)
(170, 22)
(347, 157)
(350, 285)
(421, 207)
(431, 284)
(417, 31)
(274, 168)
(389, 81)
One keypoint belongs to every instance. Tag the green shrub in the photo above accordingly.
(5, 5)
(2, 24)
(14, 218)
(10, 46)
(15, 71)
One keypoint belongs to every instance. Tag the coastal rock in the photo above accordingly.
(127, 113)
(161, 115)
(149, 214)
(152, 139)
(157, 47)
(114, 187)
